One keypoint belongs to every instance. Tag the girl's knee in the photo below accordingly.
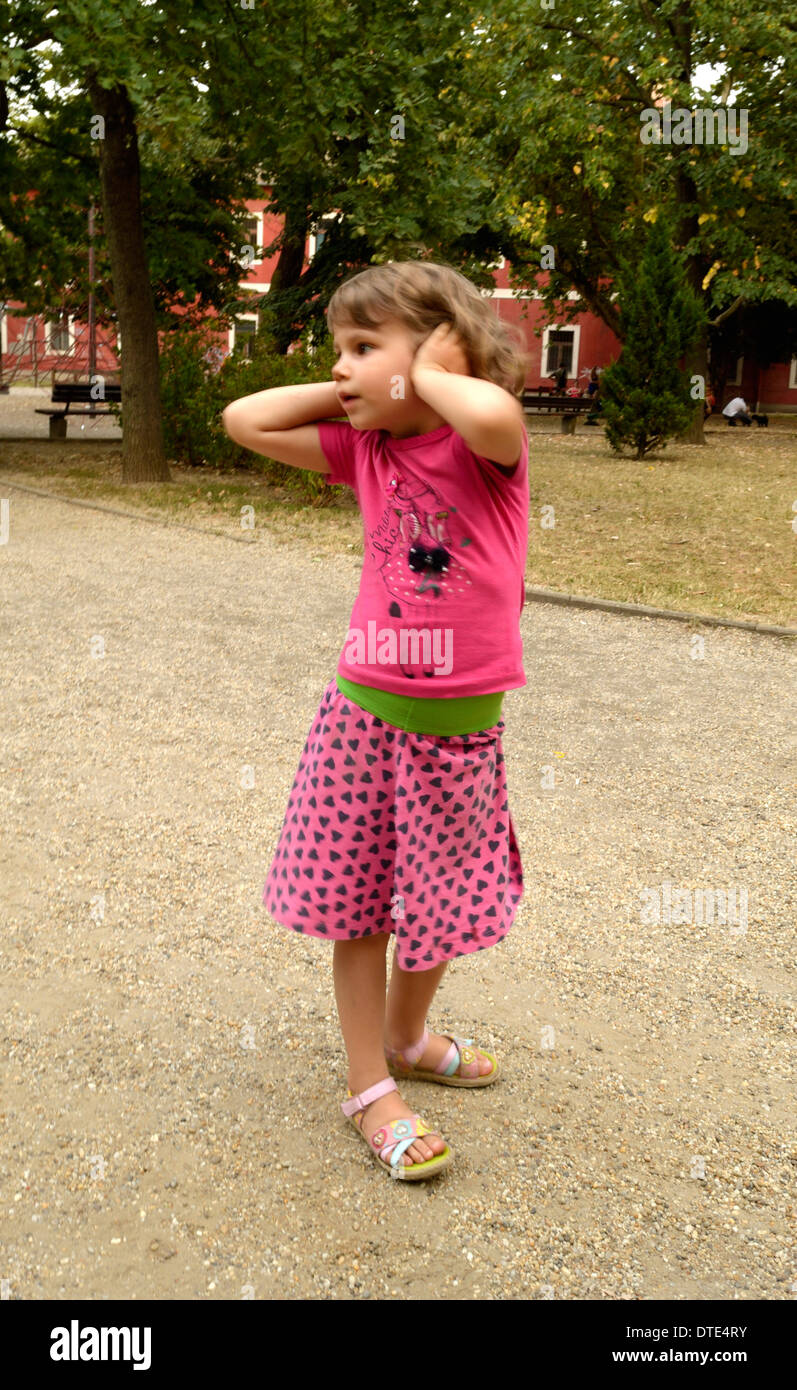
(377, 940)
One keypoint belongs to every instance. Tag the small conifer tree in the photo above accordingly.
(646, 399)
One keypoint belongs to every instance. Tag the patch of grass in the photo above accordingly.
(705, 529)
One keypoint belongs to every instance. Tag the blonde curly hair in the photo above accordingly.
(422, 294)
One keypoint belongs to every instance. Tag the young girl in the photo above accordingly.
(398, 820)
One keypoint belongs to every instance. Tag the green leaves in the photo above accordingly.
(569, 71)
(645, 397)
(309, 94)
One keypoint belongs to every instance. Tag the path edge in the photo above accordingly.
(535, 595)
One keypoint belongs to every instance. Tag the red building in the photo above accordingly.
(31, 347)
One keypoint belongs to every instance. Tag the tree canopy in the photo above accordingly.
(460, 133)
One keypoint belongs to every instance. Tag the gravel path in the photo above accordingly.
(172, 1123)
(18, 418)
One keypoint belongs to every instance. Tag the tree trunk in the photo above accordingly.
(720, 382)
(696, 364)
(287, 273)
(696, 356)
(143, 455)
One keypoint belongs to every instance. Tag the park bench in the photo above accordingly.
(569, 407)
(66, 394)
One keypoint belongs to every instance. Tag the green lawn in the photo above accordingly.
(704, 529)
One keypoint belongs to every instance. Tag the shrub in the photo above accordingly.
(644, 395)
(194, 394)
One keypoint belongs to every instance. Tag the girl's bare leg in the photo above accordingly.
(409, 998)
(360, 973)
(408, 1002)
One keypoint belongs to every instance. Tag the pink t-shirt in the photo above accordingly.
(445, 542)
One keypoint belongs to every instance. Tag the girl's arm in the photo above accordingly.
(488, 417)
(283, 423)
(285, 406)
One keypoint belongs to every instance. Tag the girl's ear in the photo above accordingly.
(468, 345)
(419, 335)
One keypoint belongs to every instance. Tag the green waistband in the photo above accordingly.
(466, 715)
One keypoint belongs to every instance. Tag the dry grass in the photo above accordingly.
(705, 529)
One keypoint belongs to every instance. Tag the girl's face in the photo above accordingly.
(372, 374)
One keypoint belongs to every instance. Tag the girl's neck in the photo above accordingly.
(421, 422)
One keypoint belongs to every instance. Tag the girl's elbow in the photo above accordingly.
(228, 418)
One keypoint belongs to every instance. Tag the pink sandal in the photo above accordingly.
(391, 1139)
(459, 1067)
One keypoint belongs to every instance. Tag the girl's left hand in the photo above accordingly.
(444, 351)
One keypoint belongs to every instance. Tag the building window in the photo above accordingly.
(736, 379)
(253, 232)
(319, 233)
(560, 345)
(242, 334)
(60, 338)
(793, 375)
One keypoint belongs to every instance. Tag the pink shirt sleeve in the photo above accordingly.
(338, 443)
(518, 474)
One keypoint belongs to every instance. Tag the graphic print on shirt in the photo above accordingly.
(418, 560)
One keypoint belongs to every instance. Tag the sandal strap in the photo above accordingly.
(458, 1054)
(395, 1136)
(410, 1055)
(381, 1088)
(404, 1133)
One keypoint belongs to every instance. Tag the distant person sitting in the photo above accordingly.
(737, 410)
(560, 377)
(596, 404)
(593, 383)
(709, 403)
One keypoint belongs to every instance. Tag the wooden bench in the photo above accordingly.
(66, 394)
(569, 407)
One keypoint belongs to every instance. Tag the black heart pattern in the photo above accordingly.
(429, 836)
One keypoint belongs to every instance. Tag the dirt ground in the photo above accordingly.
(171, 1123)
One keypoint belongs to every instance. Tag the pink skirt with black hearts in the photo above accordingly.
(394, 832)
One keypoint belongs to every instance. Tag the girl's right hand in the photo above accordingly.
(444, 351)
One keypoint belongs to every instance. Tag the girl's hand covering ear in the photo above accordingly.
(444, 351)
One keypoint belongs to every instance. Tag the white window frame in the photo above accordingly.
(492, 293)
(312, 247)
(258, 216)
(231, 330)
(30, 323)
(575, 329)
(50, 328)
